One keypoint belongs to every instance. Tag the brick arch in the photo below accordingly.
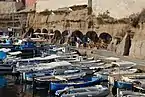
(106, 37)
(92, 35)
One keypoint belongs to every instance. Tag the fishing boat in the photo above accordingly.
(124, 64)
(65, 72)
(82, 82)
(128, 71)
(94, 91)
(81, 60)
(42, 66)
(46, 59)
(123, 85)
(131, 94)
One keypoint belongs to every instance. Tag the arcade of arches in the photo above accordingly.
(93, 39)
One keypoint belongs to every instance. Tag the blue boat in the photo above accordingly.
(29, 75)
(3, 81)
(123, 85)
(82, 82)
(51, 72)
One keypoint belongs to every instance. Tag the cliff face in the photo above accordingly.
(137, 49)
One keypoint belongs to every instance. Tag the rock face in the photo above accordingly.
(137, 49)
(112, 45)
(124, 47)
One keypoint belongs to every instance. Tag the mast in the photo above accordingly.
(89, 7)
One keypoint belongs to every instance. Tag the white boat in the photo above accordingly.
(81, 60)
(124, 64)
(15, 53)
(59, 72)
(95, 91)
(47, 58)
(127, 71)
(65, 76)
(5, 50)
(42, 66)
(131, 94)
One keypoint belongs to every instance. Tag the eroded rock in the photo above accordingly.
(124, 47)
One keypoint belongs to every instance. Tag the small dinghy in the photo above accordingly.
(82, 82)
(95, 91)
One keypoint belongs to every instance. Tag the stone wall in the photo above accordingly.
(74, 20)
(79, 20)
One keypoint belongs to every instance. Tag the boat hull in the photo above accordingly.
(89, 81)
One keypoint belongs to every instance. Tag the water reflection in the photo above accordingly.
(21, 91)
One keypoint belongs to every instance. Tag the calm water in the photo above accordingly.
(21, 91)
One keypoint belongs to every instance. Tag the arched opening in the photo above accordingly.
(105, 37)
(77, 33)
(64, 36)
(44, 30)
(127, 45)
(34, 35)
(38, 31)
(65, 33)
(56, 37)
(92, 35)
(29, 33)
(57, 34)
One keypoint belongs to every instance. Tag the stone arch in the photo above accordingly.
(65, 33)
(57, 37)
(57, 34)
(92, 35)
(106, 37)
(77, 33)
(64, 38)
(38, 30)
(44, 30)
(28, 33)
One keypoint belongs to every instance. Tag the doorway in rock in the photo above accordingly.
(127, 46)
